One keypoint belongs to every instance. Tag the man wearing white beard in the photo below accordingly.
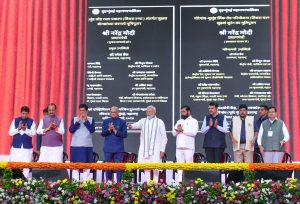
(153, 140)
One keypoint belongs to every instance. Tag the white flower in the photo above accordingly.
(59, 189)
(171, 188)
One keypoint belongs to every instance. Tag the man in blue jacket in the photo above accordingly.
(214, 128)
(114, 129)
(22, 129)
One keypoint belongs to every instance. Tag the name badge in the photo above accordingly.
(270, 133)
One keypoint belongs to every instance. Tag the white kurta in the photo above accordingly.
(51, 154)
(185, 142)
(21, 154)
(159, 143)
(159, 139)
(186, 139)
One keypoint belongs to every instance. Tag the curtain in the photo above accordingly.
(42, 59)
(285, 27)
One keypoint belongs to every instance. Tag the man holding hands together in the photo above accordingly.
(114, 130)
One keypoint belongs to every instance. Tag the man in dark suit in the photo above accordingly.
(114, 129)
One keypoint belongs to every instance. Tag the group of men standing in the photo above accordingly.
(23, 128)
(267, 135)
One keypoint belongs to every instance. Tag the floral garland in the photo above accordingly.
(195, 191)
(135, 166)
(272, 166)
(47, 165)
(188, 166)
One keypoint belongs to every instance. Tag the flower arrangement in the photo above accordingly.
(134, 166)
(196, 191)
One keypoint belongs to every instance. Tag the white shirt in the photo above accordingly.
(205, 127)
(186, 139)
(60, 129)
(284, 130)
(30, 132)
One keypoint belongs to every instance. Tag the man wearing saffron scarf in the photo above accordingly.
(153, 140)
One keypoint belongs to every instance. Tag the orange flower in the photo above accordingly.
(47, 165)
(269, 166)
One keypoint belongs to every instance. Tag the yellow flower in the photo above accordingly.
(250, 186)
(113, 200)
(188, 166)
(199, 181)
(18, 182)
(292, 180)
(170, 196)
(74, 198)
(151, 183)
(3, 165)
(65, 181)
(93, 182)
(58, 181)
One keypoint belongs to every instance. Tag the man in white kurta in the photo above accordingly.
(22, 129)
(185, 131)
(153, 140)
(51, 127)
